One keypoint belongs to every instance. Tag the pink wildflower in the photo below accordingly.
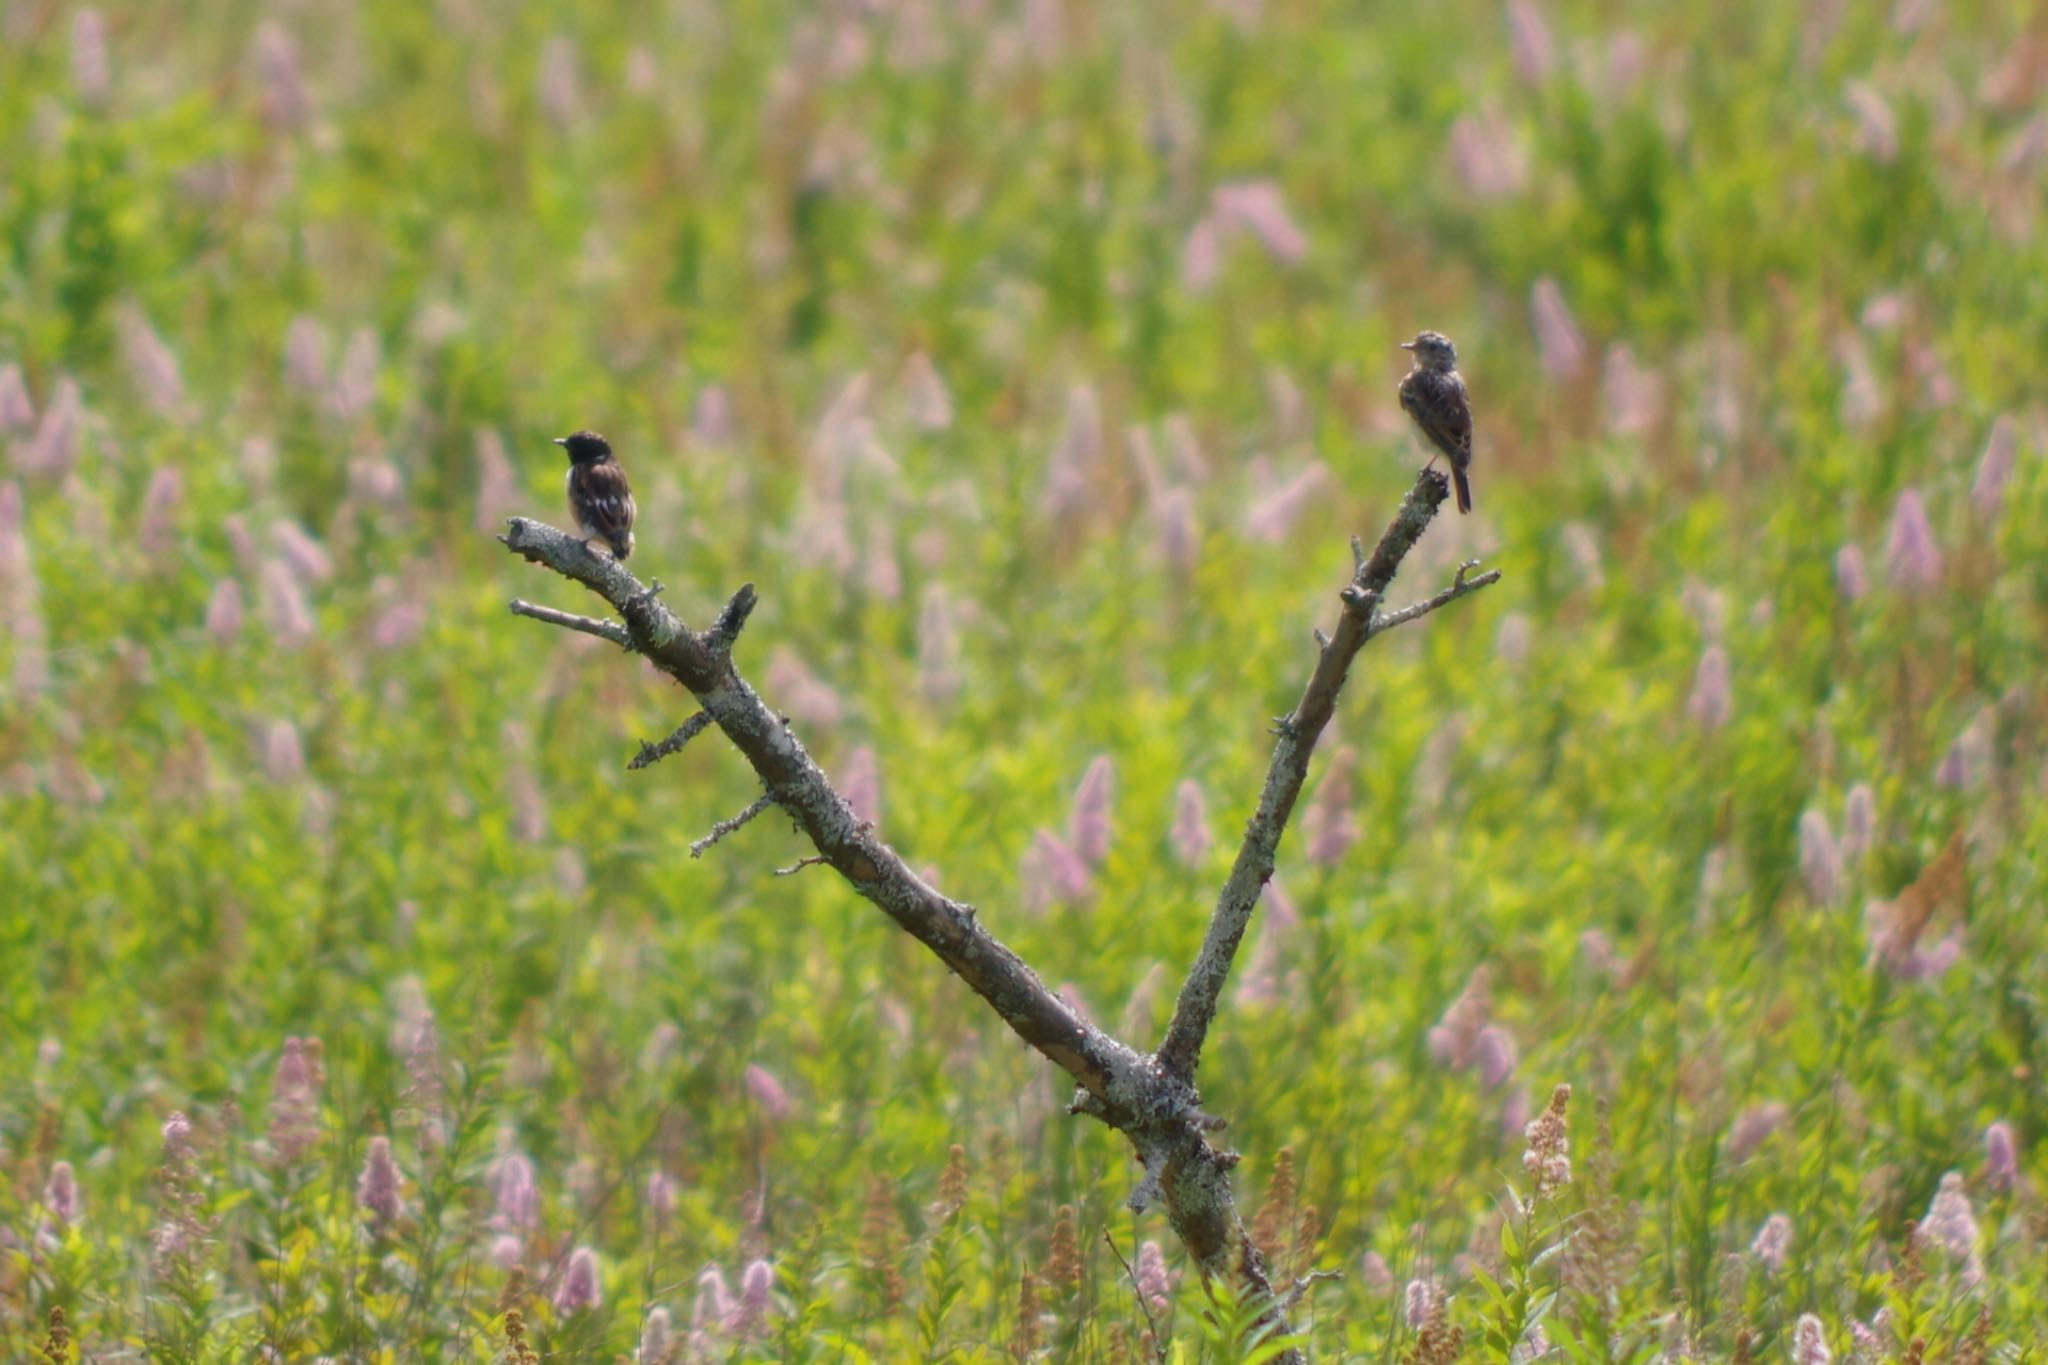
(1088, 824)
(1053, 871)
(16, 412)
(579, 1291)
(1190, 836)
(1773, 1243)
(1494, 1055)
(1951, 1223)
(378, 1190)
(925, 393)
(1155, 1285)
(1072, 473)
(2001, 1156)
(1558, 339)
(294, 1104)
(661, 1198)
(756, 1304)
(1272, 517)
(862, 781)
(1455, 1037)
(768, 1094)
(1753, 1127)
(53, 450)
(516, 1194)
(498, 491)
(1995, 470)
(1260, 207)
(1488, 161)
(799, 693)
(1712, 704)
(60, 1194)
(1852, 580)
(1179, 535)
(656, 1344)
(560, 81)
(89, 68)
(284, 758)
(158, 532)
(1877, 130)
(1535, 53)
(1329, 825)
(1418, 1301)
(151, 364)
(1376, 1274)
(286, 103)
(305, 353)
(714, 1304)
(1859, 822)
(1820, 859)
(1810, 1342)
(1913, 559)
(938, 647)
(355, 383)
(1549, 1157)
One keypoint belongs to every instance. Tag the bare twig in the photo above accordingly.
(799, 865)
(1300, 1289)
(589, 625)
(726, 629)
(1181, 1052)
(1460, 586)
(728, 825)
(683, 734)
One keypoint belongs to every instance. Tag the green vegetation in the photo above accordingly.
(1035, 361)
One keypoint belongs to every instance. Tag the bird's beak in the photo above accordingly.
(1407, 345)
(561, 440)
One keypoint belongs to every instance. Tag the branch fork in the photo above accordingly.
(1150, 1097)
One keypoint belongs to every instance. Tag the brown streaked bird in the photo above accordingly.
(1434, 395)
(599, 498)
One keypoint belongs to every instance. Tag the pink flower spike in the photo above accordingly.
(1773, 1243)
(579, 1291)
(1558, 339)
(1190, 837)
(767, 1092)
(1712, 702)
(1911, 557)
(378, 1189)
(1088, 825)
(1995, 470)
(2001, 1156)
(60, 1194)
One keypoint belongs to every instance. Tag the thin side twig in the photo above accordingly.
(800, 864)
(1460, 586)
(728, 825)
(683, 734)
(1307, 1282)
(568, 620)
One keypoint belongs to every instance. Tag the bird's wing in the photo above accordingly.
(1439, 406)
(603, 498)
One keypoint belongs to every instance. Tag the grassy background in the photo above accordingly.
(1735, 293)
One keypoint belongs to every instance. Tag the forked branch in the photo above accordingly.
(1150, 1098)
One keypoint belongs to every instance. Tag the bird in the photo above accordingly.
(600, 499)
(1434, 395)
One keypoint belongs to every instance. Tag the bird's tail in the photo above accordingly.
(622, 546)
(1464, 487)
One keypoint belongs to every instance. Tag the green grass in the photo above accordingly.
(776, 206)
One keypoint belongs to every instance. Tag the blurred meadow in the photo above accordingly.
(1036, 361)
